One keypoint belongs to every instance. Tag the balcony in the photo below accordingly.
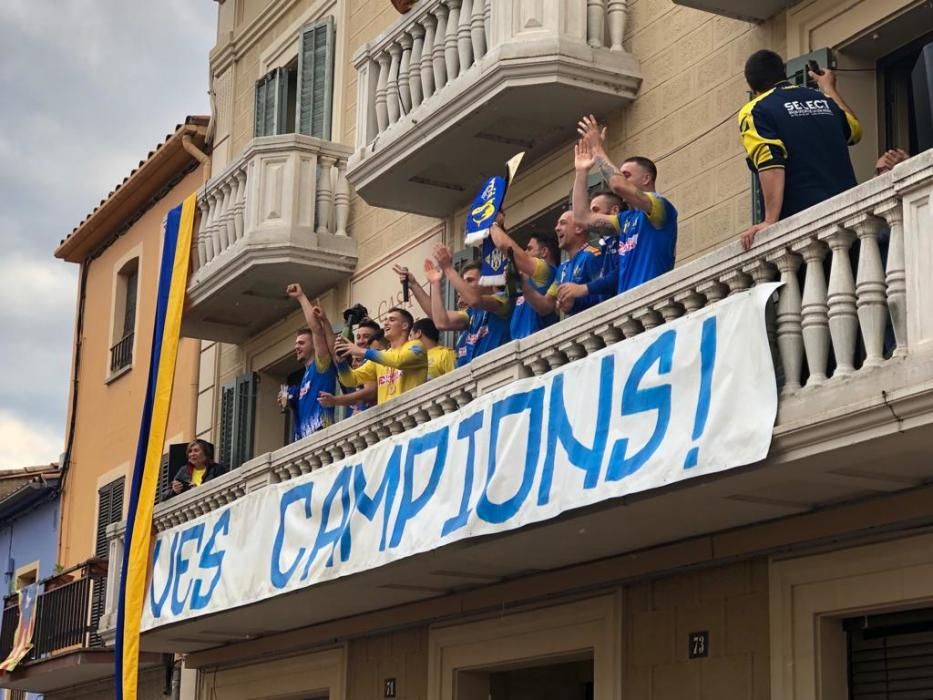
(475, 81)
(66, 650)
(278, 214)
(747, 10)
(853, 428)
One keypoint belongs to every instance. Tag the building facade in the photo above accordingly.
(118, 247)
(349, 138)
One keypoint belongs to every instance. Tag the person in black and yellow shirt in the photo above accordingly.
(796, 139)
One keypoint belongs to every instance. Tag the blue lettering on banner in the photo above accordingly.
(533, 402)
(707, 362)
(637, 400)
(559, 429)
(302, 492)
(329, 538)
(211, 559)
(369, 506)
(410, 507)
(157, 605)
(192, 534)
(468, 429)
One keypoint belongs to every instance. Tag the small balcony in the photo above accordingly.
(746, 10)
(66, 650)
(278, 214)
(475, 81)
(852, 340)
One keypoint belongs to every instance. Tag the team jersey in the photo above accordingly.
(807, 134)
(197, 476)
(525, 320)
(582, 268)
(485, 330)
(309, 415)
(441, 360)
(394, 371)
(609, 250)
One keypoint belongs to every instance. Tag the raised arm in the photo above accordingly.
(594, 136)
(444, 318)
(312, 316)
(583, 161)
(417, 291)
(472, 295)
(365, 394)
(502, 240)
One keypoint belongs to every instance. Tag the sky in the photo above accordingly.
(89, 88)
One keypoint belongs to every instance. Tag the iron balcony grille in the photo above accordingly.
(121, 354)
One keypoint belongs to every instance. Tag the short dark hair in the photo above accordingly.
(548, 239)
(303, 331)
(612, 196)
(377, 337)
(645, 163)
(406, 317)
(427, 328)
(764, 69)
(369, 323)
(471, 265)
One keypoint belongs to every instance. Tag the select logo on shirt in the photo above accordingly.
(303, 391)
(391, 377)
(808, 108)
(627, 246)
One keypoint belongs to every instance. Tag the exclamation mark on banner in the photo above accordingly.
(707, 362)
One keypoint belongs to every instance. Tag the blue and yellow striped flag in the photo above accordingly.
(173, 281)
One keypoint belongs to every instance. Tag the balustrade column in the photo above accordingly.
(595, 23)
(451, 53)
(223, 199)
(325, 193)
(239, 206)
(813, 311)
(229, 217)
(870, 290)
(427, 56)
(392, 92)
(477, 29)
(843, 321)
(895, 275)
(202, 236)
(342, 199)
(464, 36)
(404, 81)
(617, 14)
(788, 320)
(437, 50)
(414, 64)
(382, 111)
(215, 222)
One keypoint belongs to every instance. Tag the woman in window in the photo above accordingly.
(199, 469)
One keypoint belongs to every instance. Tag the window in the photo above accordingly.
(109, 511)
(299, 97)
(237, 420)
(900, 115)
(124, 321)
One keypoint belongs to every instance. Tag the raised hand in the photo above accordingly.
(583, 159)
(431, 272)
(294, 290)
(343, 347)
(592, 134)
(444, 256)
(403, 274)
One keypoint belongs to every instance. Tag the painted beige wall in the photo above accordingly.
(151, 683)
(108, 413)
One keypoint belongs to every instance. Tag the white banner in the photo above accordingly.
(687, 398)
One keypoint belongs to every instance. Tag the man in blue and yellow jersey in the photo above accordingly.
(609, 203)
(484, 322)
(796, 139)
(399, 369)
(583, 264)
(647, 229)
(537, 264)
(441, 359)
(312, 351)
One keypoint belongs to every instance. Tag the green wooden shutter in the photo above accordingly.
(316, 79)
(271, 101)
(237, 420)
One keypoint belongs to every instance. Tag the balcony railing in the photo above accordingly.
(457, 80)
(121, 354)
(280, 211)
(64, 615)
(860, 299)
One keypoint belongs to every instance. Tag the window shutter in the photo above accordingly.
(237, 420)
(316, 79)
(271, 101)
(109, 510)
(164, 479)
(227, 395)
(129, 313)
(245, 418)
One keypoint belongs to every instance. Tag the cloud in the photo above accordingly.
(23, 444)
(91, 88)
